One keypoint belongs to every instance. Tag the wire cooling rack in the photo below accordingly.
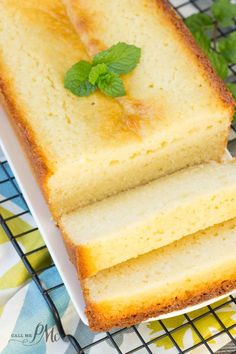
(184, 8)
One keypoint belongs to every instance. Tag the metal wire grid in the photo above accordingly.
(184, 8)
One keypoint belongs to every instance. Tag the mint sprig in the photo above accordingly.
(97, 71)
(203, 41)
(224, 12)
(77, 79)
(111, 85)
(232, 88)
(198, 22)
(221, 52)
(227, 47)
(219, 63)
(83, 78)
(204, 29)
(120, 58)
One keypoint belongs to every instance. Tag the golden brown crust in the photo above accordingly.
(79, 255)
(99, 322)
(84, 262)
(85, 25)
(211, 75)
(203, 60)
(25, 134)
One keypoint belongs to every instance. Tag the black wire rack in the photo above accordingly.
(184, 8)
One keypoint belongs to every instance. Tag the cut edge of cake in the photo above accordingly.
(91, 250)
(192, 285)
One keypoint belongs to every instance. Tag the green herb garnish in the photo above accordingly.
(232, 88)
(227, 47)
(83, 78)
(224, 12)
(220, 51)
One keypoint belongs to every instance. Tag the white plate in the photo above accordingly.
(39, 209)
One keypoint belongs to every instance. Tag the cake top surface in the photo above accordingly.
(173, 74)
(164, 91)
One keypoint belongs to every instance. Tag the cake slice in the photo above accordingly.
(85, 149)
(151, 216)
(196, 268)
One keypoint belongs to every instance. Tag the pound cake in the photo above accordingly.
(151, 216)
(85, 149)
(184, 273)
(174, 79)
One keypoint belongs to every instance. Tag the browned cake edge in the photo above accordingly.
(79, 255)
(100, 320)
(16, 114)
(180, 30)
(203, 60)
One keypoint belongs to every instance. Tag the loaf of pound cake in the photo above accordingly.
(148, 217)
(196, 268)
(176, 112)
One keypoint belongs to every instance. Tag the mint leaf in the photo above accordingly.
(224, 12)
(111, 84)
(96, 72)
(84, 78)
(84, 89)
(76, 79)
(219, 63)
(203, 41)
(199, 22)
(227, 47)
(78, 72)
(232, 88)
(121, 58)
